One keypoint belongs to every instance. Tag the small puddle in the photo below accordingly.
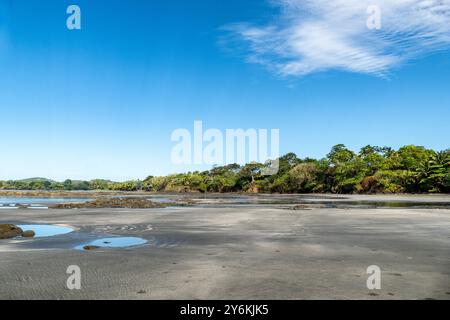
(116, 242)
(43, 230)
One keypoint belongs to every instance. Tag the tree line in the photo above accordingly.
(410, 169)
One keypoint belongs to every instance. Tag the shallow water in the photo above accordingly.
(36, 202)
(325, 201)
(232, 200)
(43, 230)
(115, 242)
(379, 204)
(8, 207)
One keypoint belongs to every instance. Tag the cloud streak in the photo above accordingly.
(312, 36)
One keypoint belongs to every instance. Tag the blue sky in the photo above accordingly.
(102, 102)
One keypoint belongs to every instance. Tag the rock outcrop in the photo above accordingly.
(8, 231)
(28, 234)
(129, 203)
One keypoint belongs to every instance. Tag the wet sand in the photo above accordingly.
(254, 251)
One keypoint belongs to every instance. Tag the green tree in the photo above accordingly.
(68, 185)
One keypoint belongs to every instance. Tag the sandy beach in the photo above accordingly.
(223, 250)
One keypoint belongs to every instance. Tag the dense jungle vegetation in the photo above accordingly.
(411, 169)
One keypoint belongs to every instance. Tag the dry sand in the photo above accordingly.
(235, 252)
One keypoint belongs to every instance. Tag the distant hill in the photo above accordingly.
(37, 179)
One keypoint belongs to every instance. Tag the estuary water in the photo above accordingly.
(36, 202)
(262, 200)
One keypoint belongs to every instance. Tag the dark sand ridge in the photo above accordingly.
(247, 251)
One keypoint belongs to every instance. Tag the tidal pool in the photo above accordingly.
(44, 230)
(115, 242)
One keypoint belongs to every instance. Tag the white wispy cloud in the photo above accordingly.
(311, 36)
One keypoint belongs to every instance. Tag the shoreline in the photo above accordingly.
(77, 200)
(233, 252)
